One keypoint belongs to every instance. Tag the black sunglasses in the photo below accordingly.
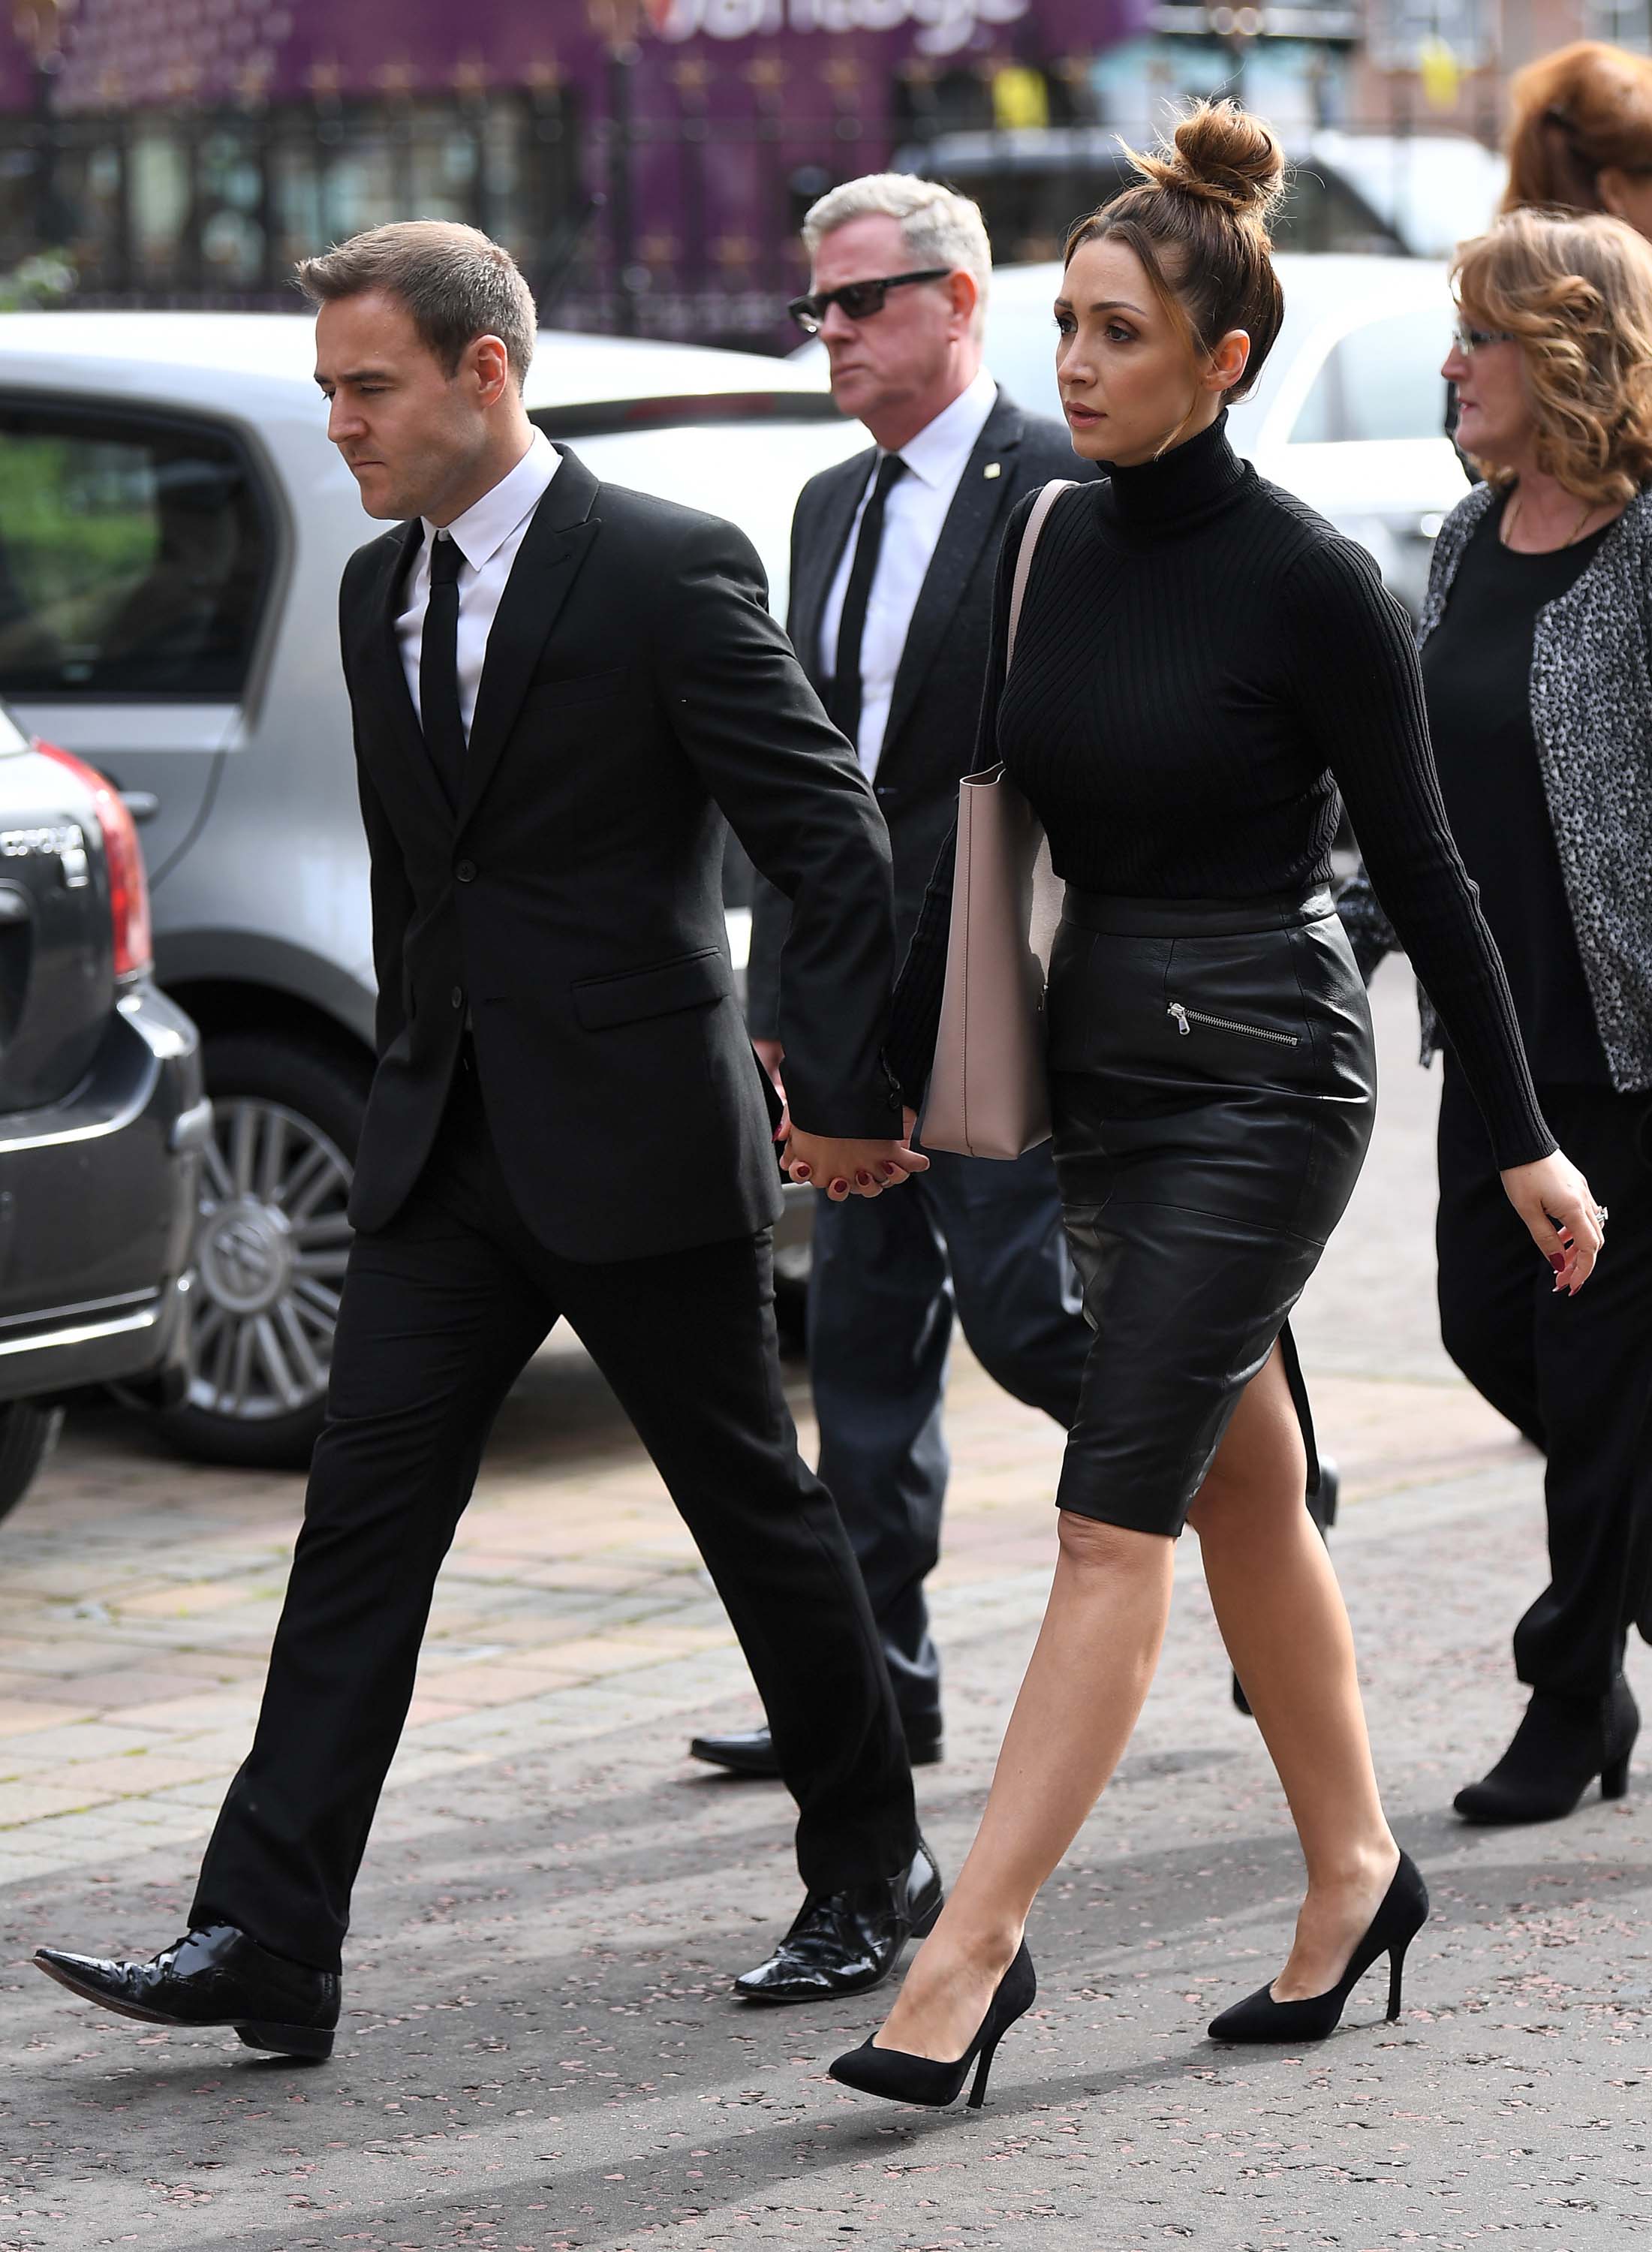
(860, 300)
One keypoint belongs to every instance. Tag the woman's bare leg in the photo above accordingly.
(1084, 1688)
(1281, 1616)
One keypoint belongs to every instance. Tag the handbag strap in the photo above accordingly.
(1041, 508)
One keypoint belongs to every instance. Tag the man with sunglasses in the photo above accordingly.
(894, 554)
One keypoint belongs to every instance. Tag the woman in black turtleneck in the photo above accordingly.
(1200, 662)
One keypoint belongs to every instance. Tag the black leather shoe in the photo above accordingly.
(846, 1943)
(1560, 1747)
(218, 1977)
(751, 1751)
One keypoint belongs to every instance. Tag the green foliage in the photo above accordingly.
(45, 279)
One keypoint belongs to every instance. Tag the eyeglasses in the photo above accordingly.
(860, 300)
(1467, 341)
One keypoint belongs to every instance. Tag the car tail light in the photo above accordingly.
(123, 856)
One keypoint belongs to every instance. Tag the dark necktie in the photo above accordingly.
(843, 703)
(438, 710)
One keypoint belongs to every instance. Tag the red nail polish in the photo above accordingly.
(841, 1185)
(863, 1180)
(802, 1173)
(1557, 1262)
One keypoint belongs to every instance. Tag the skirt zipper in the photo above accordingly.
(1186, 1018)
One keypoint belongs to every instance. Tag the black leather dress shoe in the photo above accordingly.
(218, 1977)
(751, 1751)
(846, 1943)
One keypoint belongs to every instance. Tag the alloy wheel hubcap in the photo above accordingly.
(270, 1247)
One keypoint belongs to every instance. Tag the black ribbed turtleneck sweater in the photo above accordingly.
(1201, 662)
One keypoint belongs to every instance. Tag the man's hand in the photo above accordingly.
(772, 1055)
(850, 1168)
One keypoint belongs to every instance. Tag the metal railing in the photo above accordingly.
(679, 222)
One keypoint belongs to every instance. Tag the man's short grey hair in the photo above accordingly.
(939, 227)
(456, 284)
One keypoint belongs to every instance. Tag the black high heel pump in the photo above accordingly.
(1402, 1915)
(905, 2079)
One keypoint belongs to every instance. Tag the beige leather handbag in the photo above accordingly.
(989, 1093)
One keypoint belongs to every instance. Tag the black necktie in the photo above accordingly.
(843, 703)
(438, 710)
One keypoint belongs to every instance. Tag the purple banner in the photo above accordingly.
(147, 53)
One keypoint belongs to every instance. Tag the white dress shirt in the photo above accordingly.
(487, 535)
(913, 514)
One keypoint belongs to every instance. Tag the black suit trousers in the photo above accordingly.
(1574, 1374)
(442, 1309)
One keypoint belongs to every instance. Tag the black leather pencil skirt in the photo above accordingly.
(1213, 1084)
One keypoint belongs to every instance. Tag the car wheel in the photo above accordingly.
(270, 1247)
(27, 1436)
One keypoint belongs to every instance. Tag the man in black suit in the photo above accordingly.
(894, 560)
(560, 689)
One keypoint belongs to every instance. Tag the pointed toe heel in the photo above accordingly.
(900, 2078)
(1401, 1916)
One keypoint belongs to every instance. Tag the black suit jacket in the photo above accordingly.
(929, 744)
(635, 692)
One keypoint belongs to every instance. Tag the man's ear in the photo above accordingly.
(490, 365)
(965, 292)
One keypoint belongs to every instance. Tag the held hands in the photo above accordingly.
(842, 1168)
(852, 1168)
(1566, 1224)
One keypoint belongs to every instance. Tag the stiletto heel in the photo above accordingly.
(904, 2079)
(1402, 1915)
(1614, 1779)
(978, 2093)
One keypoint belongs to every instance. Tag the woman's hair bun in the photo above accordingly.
(1222, 154)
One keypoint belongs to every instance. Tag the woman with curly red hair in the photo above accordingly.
(1536, 639)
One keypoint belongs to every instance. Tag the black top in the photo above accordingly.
(1201, 661)
(1477, 674)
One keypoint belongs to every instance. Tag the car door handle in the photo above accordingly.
(142, 804)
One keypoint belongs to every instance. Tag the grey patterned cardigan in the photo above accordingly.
(1592, 717)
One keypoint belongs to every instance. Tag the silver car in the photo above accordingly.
(173, 525)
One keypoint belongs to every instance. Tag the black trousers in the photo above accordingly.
(1573, 1374)
(970, 1237)
(442, 1309)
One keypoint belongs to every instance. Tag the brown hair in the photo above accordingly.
(1197, 220)
(1575, 293)
(1573, 116)
(455, 284)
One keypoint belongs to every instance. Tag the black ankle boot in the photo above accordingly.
(1560, 1747)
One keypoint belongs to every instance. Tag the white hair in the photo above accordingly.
(939, 227)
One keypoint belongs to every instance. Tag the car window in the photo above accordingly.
(132, 557)
(1382, 380)
(749, 472)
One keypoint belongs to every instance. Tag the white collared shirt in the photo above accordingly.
(487, 535)
(913, 514)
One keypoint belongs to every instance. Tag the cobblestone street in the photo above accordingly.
(537, 2047)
